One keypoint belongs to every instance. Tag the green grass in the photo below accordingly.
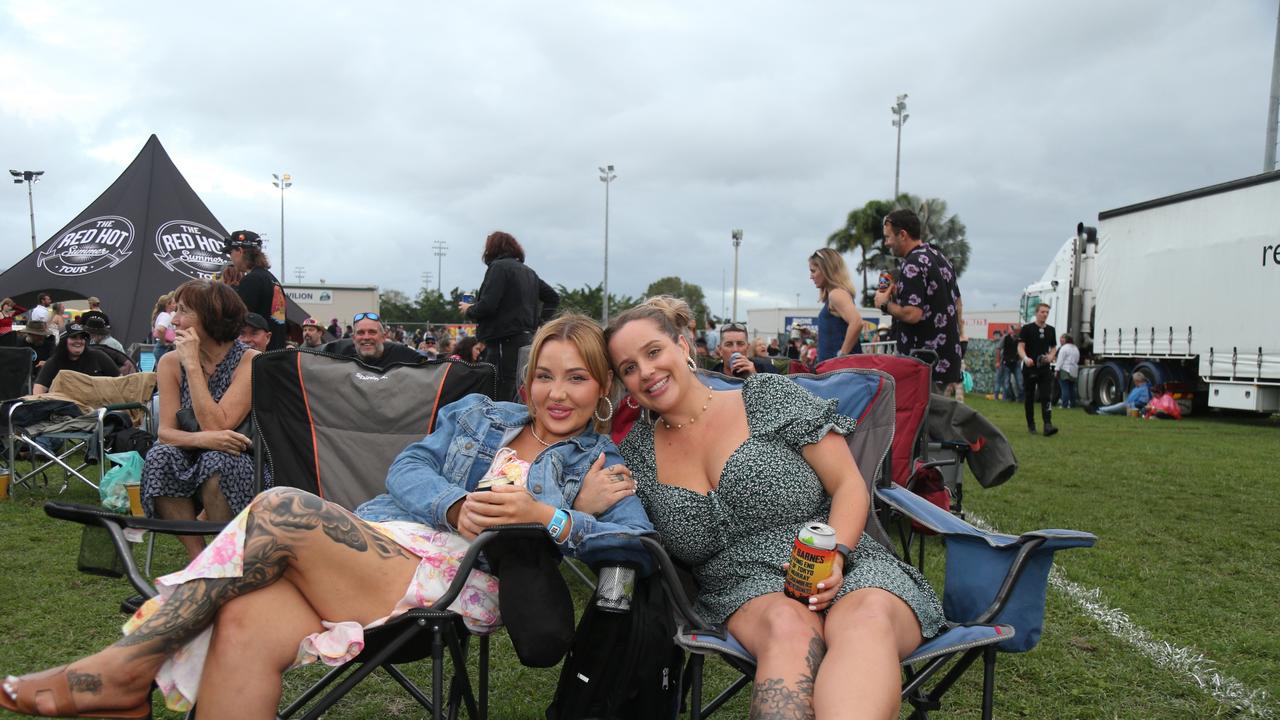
(1185, 513)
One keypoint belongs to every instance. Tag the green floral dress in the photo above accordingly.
(737, 536)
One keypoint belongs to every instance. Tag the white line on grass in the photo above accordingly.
(1187, 662)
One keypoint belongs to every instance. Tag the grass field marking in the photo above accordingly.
(1186, 662)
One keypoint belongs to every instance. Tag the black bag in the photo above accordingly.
(131, 438)
(187, 422)
(623, 666)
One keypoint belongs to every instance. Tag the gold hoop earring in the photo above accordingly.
(596, 414)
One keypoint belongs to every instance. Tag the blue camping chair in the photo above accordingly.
(994, 594)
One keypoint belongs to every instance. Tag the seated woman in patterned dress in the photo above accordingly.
(253, 603)
(728, 478)
(209, 374)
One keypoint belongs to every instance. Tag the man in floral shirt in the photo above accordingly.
(924, 301)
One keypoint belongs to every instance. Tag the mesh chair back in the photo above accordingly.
(912, 383)
(332, 426)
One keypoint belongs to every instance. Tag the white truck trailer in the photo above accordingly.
(1184, 288)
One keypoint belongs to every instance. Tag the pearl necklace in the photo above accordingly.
(533, 428)
(694, 419)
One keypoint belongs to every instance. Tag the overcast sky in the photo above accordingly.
(408, 123)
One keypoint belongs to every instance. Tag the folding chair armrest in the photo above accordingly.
(531, 531)
(94, 515)
(126, 406)
(939, 463)
(958, 446)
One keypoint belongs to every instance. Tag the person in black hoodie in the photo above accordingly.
(506, 310)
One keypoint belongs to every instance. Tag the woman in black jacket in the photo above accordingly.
(506, 310)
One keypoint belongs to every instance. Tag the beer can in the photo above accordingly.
(468, 298)
(614, 588)
(885, 281)
(812, 558)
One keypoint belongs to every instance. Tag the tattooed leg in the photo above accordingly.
(772, 698)
(339, 565)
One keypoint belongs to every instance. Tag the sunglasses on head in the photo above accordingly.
(366, 316)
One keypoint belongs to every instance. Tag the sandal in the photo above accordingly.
(48, 694)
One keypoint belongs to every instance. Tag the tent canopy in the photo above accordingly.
(144, 236)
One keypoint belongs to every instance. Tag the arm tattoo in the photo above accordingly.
(84, 682)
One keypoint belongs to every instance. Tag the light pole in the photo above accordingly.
(737, 241)
(440, 247)
(607, 177)
(900, 115)
(30, 177)
(1273, 107)
(282, 181)
(299, 273)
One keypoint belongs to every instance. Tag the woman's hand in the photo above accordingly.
(227, 441)
(503, 505)
(827, 588)
(603, 487)
(187, 343)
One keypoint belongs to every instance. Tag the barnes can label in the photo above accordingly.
(812, 558)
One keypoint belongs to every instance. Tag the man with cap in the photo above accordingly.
(73, 353)
(256, 332)
(428, 347)
(259, 289)
(99, 327)
(312, 334)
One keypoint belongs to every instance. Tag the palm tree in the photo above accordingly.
(946, 233)
(864, 231)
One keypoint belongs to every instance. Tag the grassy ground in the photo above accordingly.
(1185, 512)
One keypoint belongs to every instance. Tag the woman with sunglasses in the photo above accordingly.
(294, 578)
(206, 379)
(728, 478)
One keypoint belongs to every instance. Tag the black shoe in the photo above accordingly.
(1089, 409)
(1031, 429)
(1050, 431)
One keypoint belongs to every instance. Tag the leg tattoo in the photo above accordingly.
(84, 682)
(771, 699)
(272, 531)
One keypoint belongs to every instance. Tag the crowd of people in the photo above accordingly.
(727, 477)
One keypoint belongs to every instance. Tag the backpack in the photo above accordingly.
(623, 666)
(130, 438)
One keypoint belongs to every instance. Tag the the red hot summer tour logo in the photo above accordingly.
(90, 246)
(190, 248)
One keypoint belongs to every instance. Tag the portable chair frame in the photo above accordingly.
(289, 432)
(993, 599)
(72, 441)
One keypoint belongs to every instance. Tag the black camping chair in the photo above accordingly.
(305, 404)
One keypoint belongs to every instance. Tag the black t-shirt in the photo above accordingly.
(262, 294)
(1038, 340)
(90, 362)
(762, 366)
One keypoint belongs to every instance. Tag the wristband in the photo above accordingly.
(846, 553)
(558, 521)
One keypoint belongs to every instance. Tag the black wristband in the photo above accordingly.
(846, 553)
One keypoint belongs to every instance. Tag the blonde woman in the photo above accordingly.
(839, 322)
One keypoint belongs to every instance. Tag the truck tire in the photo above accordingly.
(1108, 385)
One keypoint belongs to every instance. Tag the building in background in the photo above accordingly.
(324, 301)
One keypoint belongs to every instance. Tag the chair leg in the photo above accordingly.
(483, 681)
(695, 686)
(437, 672)
(988, 681)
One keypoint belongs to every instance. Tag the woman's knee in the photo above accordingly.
(873, 613)
(783, 625)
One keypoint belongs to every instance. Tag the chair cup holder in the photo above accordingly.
(98, 553)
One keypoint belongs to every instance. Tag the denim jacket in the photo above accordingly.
(432, 474)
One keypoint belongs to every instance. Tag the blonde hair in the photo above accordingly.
(834, 273)
(670, 313)
(162, 302)
(584, 334)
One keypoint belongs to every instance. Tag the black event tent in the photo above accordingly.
(144, 236)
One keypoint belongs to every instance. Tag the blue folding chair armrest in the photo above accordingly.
(991, 577)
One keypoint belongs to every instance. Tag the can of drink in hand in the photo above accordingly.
(614, 588)
(812, 558)
(885, 281)
(468, 298)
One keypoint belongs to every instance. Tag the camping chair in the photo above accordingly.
(995, 588)
(332, 425)
(75, 415)
(15, 380)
